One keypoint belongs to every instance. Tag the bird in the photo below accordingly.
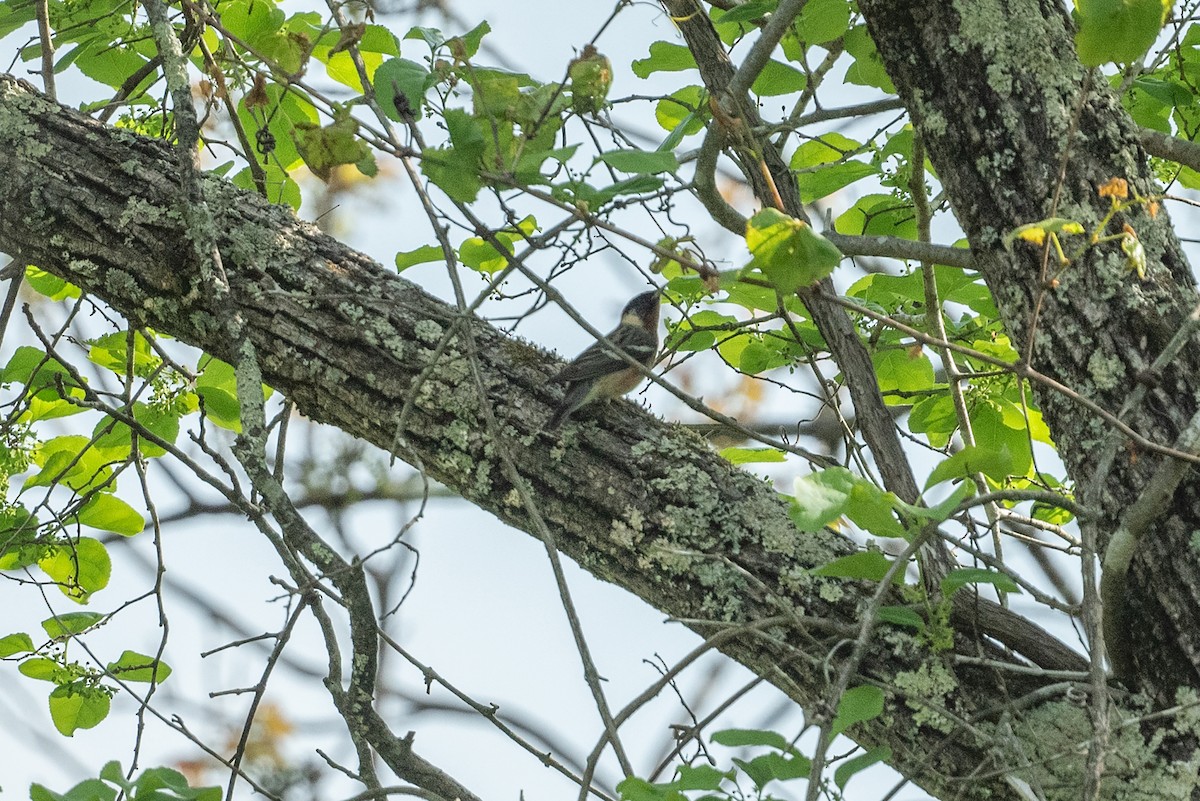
(599, 373)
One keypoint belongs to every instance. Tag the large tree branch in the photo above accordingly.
(637, 503)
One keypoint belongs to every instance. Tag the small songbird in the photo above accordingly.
(599, 373)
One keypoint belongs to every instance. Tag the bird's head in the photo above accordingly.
(643, 310)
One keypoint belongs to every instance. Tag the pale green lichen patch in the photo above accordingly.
(428, 331)
(630, 530)
(925, 690)
(1049, 747)
(999, 79)
(18, 132)
(1106, 371)
(139, 212)
(934, 123)
(458, 434)
(831, 592)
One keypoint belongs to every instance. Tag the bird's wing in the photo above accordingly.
(599, 359)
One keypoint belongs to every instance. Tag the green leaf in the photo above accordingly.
(378, 39)
(423, 254)
(495, 95)
(847, 769)
(46, 409)
(431, 36)
(340, 66)
(19, 546)
(133, 666)
(972, 459)
(77, 706)
(452, 173)
(788, 251)
(109, 513)
(747, 12)
(825, 150)
(960, 577)
(471, 41)
(406, 77)
(699, 777)
(1000, 428)
(480, 254)
(13, 16)
(217, 387)
(857, 705)
(640, 162)
(251, 21)
(939, 512)
(664, 57)
(69, 623)
(684, 107)
(49, 285)
(41, 373)
(112, 353)
(328, 146)
(867, 68)
(866, 565)
(153, 781)
(153, 784)
(823, 21)
(635, 789)
(116, 437)
(1119, 31)
(778, 79)
(872, 509)
(79, 569)
(688, 334)
(934, 417)
(281, 187)
(775, 767)
(86, 790)
(878, 215)
(111, 65)
(832, 149)
(901, 616)
(827, 180)
(821, 498)
(739, 738)
(902, 370)
(43, 669)
(17, 643)
(752, 455)
(455, 170)
(757, 356)
(72, 461)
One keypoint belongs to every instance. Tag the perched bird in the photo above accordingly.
(599, 373)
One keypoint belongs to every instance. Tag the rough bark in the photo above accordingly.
(998, 94)
(635, 502)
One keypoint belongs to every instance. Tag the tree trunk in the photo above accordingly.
(1019, 131)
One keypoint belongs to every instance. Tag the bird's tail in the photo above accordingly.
(576, 396)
